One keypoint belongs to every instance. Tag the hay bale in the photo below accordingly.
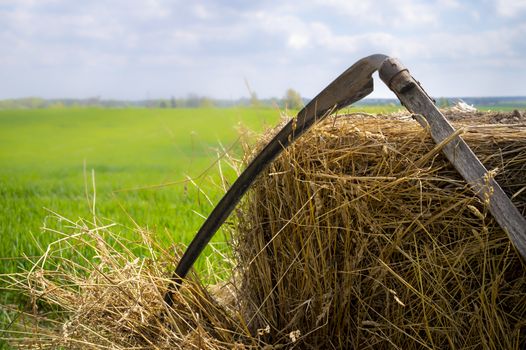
(362, 235)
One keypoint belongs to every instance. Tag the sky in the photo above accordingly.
(138, 49)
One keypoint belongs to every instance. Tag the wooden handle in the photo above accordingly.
(416, 100)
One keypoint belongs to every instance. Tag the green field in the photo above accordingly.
(139, 158)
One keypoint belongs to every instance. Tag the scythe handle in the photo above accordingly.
(417, 101)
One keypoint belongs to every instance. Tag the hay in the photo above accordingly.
(359, 236)
(363, 236)
(114, 300)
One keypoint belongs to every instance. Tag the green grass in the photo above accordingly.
(43, 154)
(499, 108)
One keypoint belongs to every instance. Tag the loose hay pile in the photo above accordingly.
(360, 236)
(112, 298)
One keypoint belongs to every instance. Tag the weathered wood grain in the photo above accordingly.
(416, 100)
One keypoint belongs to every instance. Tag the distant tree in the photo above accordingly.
(206, 102)
(181, 103)
(193, 101)
(8, 104)
(57, 105)
(173, 103)
(443, 102)
(293, 99)
(31, 102)
(93, 101)
(163, 104)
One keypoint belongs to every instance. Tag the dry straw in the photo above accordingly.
(359, 236)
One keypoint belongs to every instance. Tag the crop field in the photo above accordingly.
(136, 159)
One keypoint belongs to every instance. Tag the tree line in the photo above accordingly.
(291, 100)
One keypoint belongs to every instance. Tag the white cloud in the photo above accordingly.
(510, 8)
(298, 41)
(451, 4)
(353, 8)
(396, 13)
(202, 12)
(275, 44)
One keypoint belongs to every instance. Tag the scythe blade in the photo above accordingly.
(351, 86)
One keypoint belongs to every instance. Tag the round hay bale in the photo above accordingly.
(362, 235)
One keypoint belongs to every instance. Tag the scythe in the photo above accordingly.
(351, 86)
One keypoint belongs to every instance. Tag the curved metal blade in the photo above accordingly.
(351, 86)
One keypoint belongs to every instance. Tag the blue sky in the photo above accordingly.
(135, 49)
